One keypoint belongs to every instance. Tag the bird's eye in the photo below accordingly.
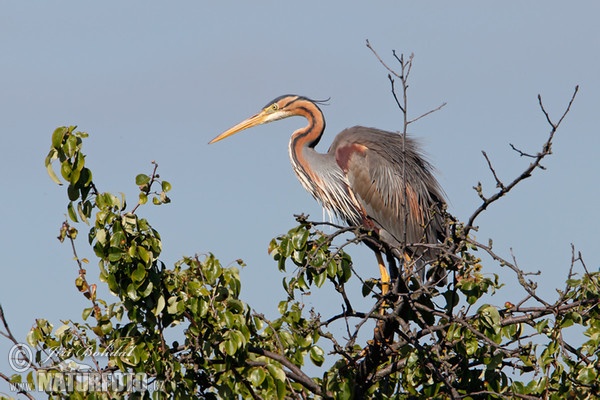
(274, 107)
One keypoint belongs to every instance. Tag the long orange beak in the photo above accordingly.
(254, 120)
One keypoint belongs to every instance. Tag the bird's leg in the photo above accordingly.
(384, 329)
(391, 260)
(385, 276)
(407, 263)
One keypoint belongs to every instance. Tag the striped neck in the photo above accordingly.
(303, 141)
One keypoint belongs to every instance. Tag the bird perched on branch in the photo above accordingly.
(369, 178)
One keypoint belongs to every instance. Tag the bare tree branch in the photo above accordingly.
(546, 150)
(403, 75)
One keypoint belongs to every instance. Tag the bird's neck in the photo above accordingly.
(310, 135)
(303, 142)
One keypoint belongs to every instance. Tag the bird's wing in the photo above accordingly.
(392, 182)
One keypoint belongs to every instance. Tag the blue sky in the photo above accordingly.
(156, 81)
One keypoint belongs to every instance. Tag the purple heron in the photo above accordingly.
(369, 178)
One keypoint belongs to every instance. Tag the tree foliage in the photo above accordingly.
(418, 341)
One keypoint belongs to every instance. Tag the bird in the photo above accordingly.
(369, 178)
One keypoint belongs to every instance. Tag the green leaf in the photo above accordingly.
(86, 313)
(72, 213)
(228, 347)
(203, 307)
(346, 268)
(159, 306)
(57, 137)
(320, 278)
(299, 239)
(106, 327)
(71, 145)
(587, 375)
(285, 247)
(276, 372)
(144, 254)
(139, 275)
(82, 213)
(518, 387)
(471, 346)
(86, 177)
(132, 292)
(345, 391)
(114, 254)
(317, 355)
(31, 380)
(282, 307)
(367, 287)
(60, 331)
(142, 179)
(143, 198)
(257, 376)
(301, 282)
(452, 299)
(101, 236)
(173, 302)
(146, 292)
(331, 269)
(81, 134)
(65, 170)
(166, 186)
(51, 172)
(541, 326)
(489, 315)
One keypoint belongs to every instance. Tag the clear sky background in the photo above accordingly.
(156, 81)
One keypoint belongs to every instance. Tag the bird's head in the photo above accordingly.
(282, 107)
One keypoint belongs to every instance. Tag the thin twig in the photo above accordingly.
(499, 183)
(8, 334)
(381, 60)
(403, 75)
(521, 153)
(428, 112)
(546, 150)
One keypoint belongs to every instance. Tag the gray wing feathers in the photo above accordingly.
(387, 175)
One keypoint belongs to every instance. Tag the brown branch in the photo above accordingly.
(428, 112)
(405, 71)
(528, 286)
(89, 290)
(381, 60)
(499, 183)
(8, 334)
(521, 153)
(293, 371)
(403, 75)
(396, 99)
(546, 150)
(533, 313)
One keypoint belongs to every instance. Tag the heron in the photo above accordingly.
(369, 178)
